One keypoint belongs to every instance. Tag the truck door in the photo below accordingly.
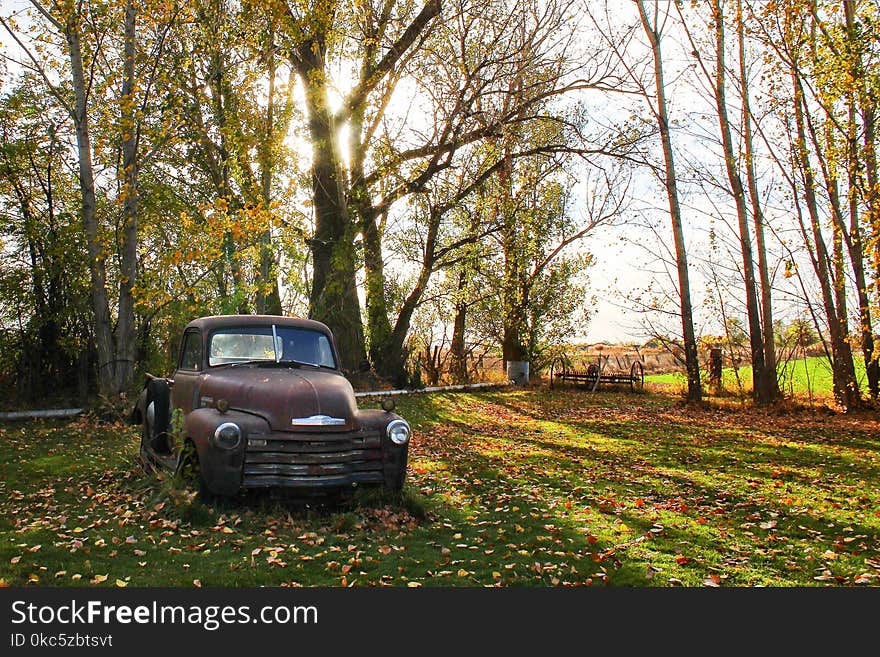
(187, 378)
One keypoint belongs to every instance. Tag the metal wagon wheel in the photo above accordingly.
(558, 369)
(637, 377)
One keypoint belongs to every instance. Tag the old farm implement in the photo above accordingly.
(599, 371)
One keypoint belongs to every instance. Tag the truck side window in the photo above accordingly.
(191, 355)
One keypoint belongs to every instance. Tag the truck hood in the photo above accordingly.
(290, 399)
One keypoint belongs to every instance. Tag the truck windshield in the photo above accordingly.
(270, 343)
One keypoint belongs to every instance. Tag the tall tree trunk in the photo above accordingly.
(469, 266)
(852, 237)
(692, 364)
(513, 340)
(761, 389)
(458, 357)
(383, 354)
(514, 345)
(772, 380)
(333, 298)
(394, 356)
(869, 141)
(828, 162)
(34, 375)
(843, 371)
(126, 342)
(873, 208)
(222, 96)
(268, 300)
(97, 271)
(867, 107)
(378, 324)
(855, 242)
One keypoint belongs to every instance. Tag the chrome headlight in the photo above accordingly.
(399, 432)
(227, 435)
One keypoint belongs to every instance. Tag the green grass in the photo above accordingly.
(808, 378)
(520, 488)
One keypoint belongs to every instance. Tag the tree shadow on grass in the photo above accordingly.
(677, 468)
(698, 439)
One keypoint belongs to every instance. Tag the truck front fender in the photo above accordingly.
(220, 467)
(394, 457)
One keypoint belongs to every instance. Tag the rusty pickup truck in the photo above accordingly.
(261, 402)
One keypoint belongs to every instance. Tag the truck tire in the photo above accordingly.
(157, 416)
(189, 471)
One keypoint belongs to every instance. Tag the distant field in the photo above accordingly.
(810, 377)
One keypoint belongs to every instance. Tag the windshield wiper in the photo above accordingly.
(320, 366)
(294, 363)
(299, 363)
(249, 361)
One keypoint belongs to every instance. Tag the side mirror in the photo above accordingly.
(388, 404)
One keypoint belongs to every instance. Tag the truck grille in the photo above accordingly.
(312, 459)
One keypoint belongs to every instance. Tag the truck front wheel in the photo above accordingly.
(189, 470)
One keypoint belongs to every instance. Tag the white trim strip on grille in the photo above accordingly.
(317, 421)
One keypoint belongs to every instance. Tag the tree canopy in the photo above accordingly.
(428, 174)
